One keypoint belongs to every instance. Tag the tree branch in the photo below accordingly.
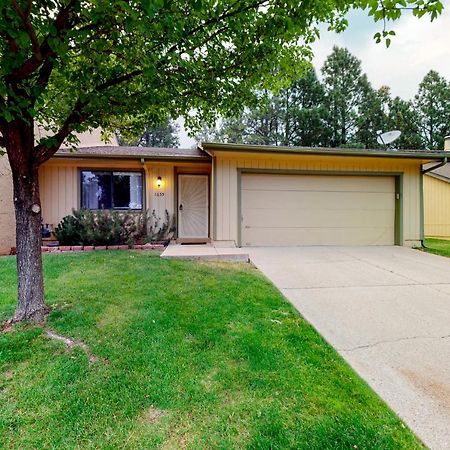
(25, 18)
(44, 152)
(62, 23)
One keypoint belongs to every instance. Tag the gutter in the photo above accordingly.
(211, 148)
(430, 169)
(132, 157)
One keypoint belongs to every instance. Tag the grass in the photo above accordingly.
(190, 355)
(438, 246)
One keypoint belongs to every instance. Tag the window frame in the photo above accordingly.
(111, 171)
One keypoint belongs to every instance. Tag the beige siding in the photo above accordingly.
(436, 206)
(7, 223)
(60, 184)
(226, 183)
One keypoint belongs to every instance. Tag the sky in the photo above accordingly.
(418, 47)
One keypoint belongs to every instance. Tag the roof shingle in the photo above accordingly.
(135, 152)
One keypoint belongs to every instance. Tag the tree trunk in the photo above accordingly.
(30, 305)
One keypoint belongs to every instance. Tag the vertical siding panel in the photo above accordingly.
(54, 194)
(75, 201)
(151, 194)
(226, 199)
(219, 197)
(232, 183)
(169, 192)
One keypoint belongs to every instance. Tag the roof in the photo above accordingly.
(125, 152)
(410, 154)
(443, 173)
(204, 152)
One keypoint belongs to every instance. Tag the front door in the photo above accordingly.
(193, 206)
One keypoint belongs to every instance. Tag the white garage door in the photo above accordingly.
(317, 210)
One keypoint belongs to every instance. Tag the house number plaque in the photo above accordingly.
(159, 194)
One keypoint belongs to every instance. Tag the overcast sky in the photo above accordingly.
(419, 46)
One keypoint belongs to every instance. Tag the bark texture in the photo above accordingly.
(27, 204)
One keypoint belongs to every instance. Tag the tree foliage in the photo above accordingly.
(432, 104)
(345, 89)
(403, 116)
(163, 135)
(343, 110)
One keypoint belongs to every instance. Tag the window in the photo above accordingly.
(111, 190)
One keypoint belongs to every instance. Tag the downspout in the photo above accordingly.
(430, 169)
(213, 196)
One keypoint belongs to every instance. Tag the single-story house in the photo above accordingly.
(437, 202)
(249, 195)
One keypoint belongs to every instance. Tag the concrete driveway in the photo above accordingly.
(387, 312)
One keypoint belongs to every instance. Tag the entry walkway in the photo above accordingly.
(205, 251)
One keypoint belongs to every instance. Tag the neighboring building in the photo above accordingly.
(7, 215)
(7, 218)
(250, 195)
(437, 200)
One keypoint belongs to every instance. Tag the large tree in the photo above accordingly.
(403, 116)
(345, 89)
(304, 113)
(261, 124)
(432, 104)
(372, 115)
(71, 65)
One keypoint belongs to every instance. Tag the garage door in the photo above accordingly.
(317, 210)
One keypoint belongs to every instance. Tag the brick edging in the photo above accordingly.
(91, 248)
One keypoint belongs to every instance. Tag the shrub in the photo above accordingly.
(86, 227)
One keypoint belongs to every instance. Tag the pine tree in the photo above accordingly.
(432, 103)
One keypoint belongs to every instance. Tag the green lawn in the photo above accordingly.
(190, 355)
(437, 246)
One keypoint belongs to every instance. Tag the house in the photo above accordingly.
(247, 195)
(437, 200)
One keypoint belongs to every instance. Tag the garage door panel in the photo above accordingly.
(325, 183)
(317, 210)
(297, 218)
(274, 200)
(317, 236)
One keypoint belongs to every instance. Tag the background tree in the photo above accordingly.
(231, 130)
(432, 104)
(345, 88)
(403, 116)
(263, 124)
(164, 135)
(372, 116)
(73, 66)
(258, 125)
(295, 116)
(303, 112)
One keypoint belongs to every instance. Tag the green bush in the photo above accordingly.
(86, 227)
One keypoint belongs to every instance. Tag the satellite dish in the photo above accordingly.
(388, 137)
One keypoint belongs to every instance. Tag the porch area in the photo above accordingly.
(207, 251)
